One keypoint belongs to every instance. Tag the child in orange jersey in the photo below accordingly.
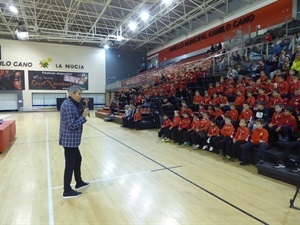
(137, 118)
(192, 129)
(183, 127)
(206, 99)
(250, 99)
(201, 131)
(226, 134)
(239, 101)
(240, 137)
(246, 112)
(233, 114)
(197, 100)
(272, 126)
(275, 99)
(287, 125)
(259, 138)
(212, 134)
(262, 96)
(165, 127)
(174, 126)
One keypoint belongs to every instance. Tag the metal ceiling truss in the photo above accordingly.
(98, 22)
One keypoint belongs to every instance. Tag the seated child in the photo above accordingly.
(212, 135)
(259, 138)
(240, 137)
(165, 127)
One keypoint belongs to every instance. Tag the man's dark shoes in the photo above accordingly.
(81, 185)
(71, 194)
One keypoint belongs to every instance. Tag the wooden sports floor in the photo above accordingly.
(135, 179)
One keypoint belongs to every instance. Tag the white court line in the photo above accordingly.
(50, 200)
(111, 178)
(4, 115)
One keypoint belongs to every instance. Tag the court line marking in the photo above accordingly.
(184, 178)
(122, 176)
(50, 199)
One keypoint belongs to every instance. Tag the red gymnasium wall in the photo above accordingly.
(270, 15)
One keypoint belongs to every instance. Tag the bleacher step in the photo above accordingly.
(284, 174)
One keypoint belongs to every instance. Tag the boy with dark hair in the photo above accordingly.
(246, 112)
(212, 135)
(192, 129)
(227, 133)
(286, 125)
(165, 127)
(183, 126)
(259, 138)
(272, 126)
(240, 137)
(201, 131)
(174, 126)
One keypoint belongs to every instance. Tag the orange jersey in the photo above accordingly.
(213, 131)
(288, 120)
(276, 117)
(259, 135)
(264, 98)
(167, 123)
(185, 123)
(194, 124)
(233, 114)
(218, 113)
(176, 121)
(227, 130)
(197, 99)
(204, 125)
(239, 100)
(283, 87)
(274, 100)
(246, 114)
(242, 134)
(137, 117)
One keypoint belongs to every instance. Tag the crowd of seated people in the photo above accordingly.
(261, 101)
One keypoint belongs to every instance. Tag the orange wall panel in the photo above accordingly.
(270, 15)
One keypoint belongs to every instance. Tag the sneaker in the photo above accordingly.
(244, 164)
(211, 149)
(228, 157)
(220, 153)
(81, 185)
(71, 194)
(205, 147)
(260, 161)
(279, 165)
(166, 139)
(295, 170)
(195, 147)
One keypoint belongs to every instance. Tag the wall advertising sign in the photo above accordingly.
(11, 79)
(55, 80)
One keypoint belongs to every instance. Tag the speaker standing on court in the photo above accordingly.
(72, 118)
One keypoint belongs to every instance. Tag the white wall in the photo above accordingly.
(92, 59)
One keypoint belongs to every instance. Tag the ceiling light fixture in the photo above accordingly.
(13, 9)
(144, 16)
(106, 46)
(167, 2)
(132, 26)
(23, 36)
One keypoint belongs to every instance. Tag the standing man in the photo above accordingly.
(72, 118)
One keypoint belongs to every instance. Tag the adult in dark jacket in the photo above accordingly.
(72, 118)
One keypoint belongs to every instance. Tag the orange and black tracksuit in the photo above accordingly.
(259, 138)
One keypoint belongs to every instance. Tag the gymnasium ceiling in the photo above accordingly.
(100, 22)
